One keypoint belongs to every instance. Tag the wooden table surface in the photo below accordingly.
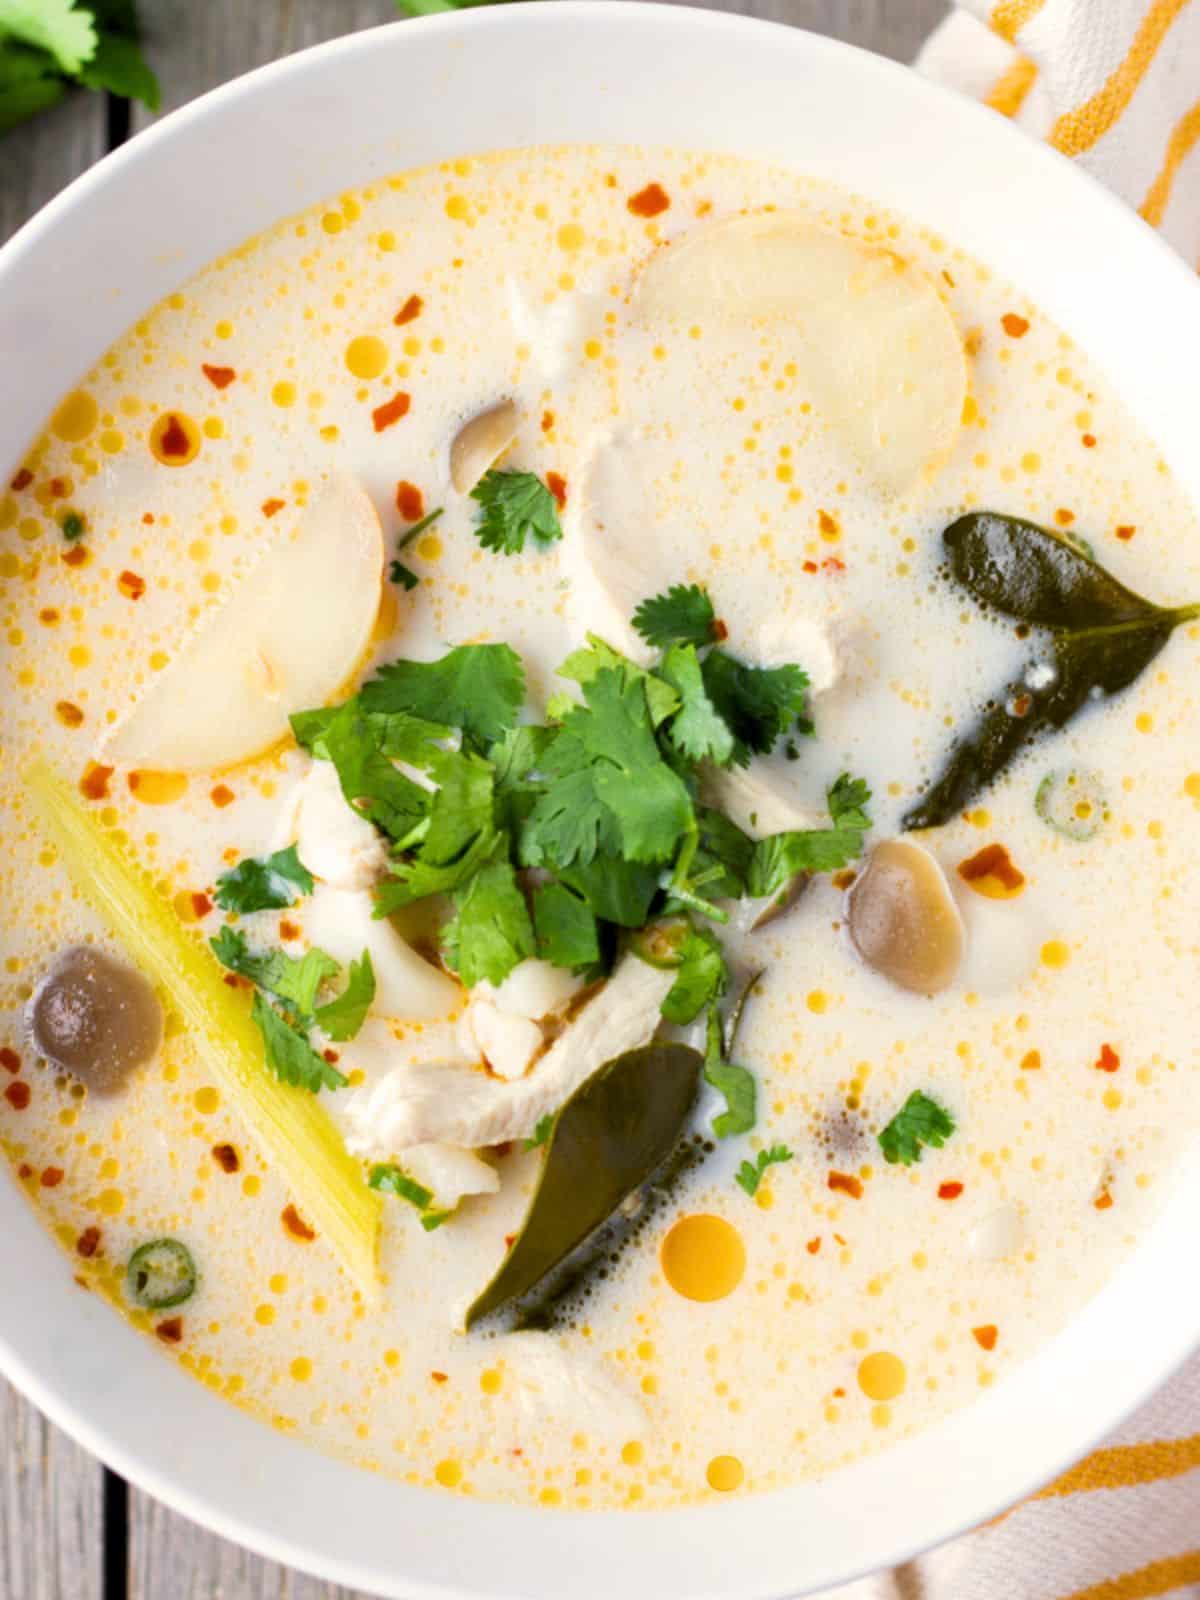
(70, 1530)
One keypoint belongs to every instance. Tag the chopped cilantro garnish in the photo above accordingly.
(73, 527)
(920, 1121)
(582, 665)
(418, 878)
(778, 859)
(388, 1178)
(697, 731)
(476, 687)
(363, 748)
(269, 883)
(541, 1133)
(397, 571)
(759, 704)
(404, 576)
(289, 1054)
(701, 978)
(294, 982)
(750, 1173)
(46, 46)
(565, 926)
(683, 615)
(516, 506)
(737, 1084)
(491, 930)
(342, 1017)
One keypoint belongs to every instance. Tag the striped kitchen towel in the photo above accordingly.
(1115, 84)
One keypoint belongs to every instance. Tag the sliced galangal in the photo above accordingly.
(287, 638)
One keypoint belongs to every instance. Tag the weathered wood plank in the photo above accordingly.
(43, 155)
(51, 1531)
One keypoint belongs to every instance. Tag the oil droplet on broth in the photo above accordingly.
(725, 1473)
(703, 1257)
(174, 439)
(75, 418)
(367, 356)
(882, 1376)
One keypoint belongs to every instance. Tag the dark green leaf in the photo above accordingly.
(683, 615)
(342, 1017)
(608, 1138)
(269, 883)
(490, 931)
(516, 506)
(404, 576)
(1099, 638)
(737, 1084)
(479, 688)
(920, 1121)
(758, 704)
(565, 927)
(289, 1054)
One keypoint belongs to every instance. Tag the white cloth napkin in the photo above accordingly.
(1114, 84)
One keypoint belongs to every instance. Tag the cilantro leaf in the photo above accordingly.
(702, 977)
(515, 760)
(397, 571)
(363, 749)
(479, 688)
(388, 1178)
(758, 704)
(543, 1130)
(919, 1121)
(119, 67)
(461, 808)
(289, 1054)
(723, 857)
(617, 891)
(697, 731)
(565, 927)
(582, 665)
(516, 506)
(417, 879)
(343, 1016)
(55, 26)
(750, 1173)
(781, 857)
(267, 883)
(404, 576)
(683, 615)
(608, 786)
(29, 83)
(294, 982)
(490, 931)
(736, 1083)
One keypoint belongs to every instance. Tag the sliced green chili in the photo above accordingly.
(161, 1274)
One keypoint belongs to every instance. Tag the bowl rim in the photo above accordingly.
(170, 1480)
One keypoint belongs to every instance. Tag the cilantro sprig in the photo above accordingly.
(49, 46)
(264, 883)
(516, 506)
(387, 1178)
(683, 615)
(920, 1121)
(750, 1174)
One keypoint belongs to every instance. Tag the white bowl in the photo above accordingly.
(142, 222)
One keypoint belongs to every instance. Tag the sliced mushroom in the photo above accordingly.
(480, 443)
(95, 1017)
(903, 919)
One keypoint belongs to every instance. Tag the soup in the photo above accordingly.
(594, 902)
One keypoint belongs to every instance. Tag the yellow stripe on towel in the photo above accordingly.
(1160, 1577)
(1179, 146)
(1078, 130)
(1120, 1466)
(1010, 16)
(1007, 94)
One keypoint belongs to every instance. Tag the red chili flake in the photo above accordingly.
(174, 440)
(219, 377)
(221, 796)
(838, 1238)
(295, 1224)
(232, 979)
(131, 585)
(829, 525)
(509, 1145)
(1109, 1059)
(1126, 531)
(170, 1331)
(833, 565)
(57, 488)
(270, 507)
(410, 502)
(1103, 1201)
(1088, 441)
(24, 1172)
(49, 616)
(847, 1183)
(1022, 705)
(68, 713)
(949, 1191)
(77, 556)
(813, 1246)
(88, 1243)
(440, 1377)
(391, 411)
(148, 518)
(201, 905)
(226, 1157)
(94, 783)
(547, 421)
(510, 1239)
(986, 1336)
(22, 480)
(1063, 517)
(409, 311)
(18, 1095)
(52, 1177)
(993, 861)
(1031, 1061)
(289, 929)
(1014, 326)
(557, 486)
(651, 201)
(811, 566)
(844, 878)
(720, 630)
(331, 1056)
(10, 1060)
(839, 1393)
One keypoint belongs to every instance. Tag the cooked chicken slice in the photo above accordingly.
(759, 800)
(449, 1174)
(341, 922)
(532, 989)
(453, 1104)
(503, 1025)
(336, 845)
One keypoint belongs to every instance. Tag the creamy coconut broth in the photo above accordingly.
(847, 1263)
